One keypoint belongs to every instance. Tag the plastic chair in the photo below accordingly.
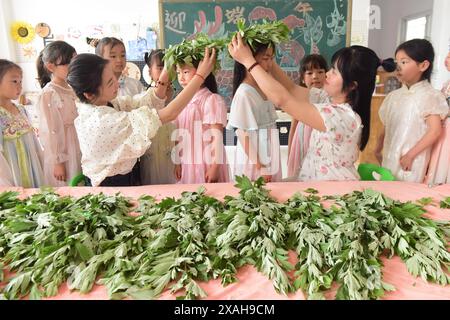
(366, 171)
(75, 181)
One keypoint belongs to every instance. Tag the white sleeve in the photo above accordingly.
(435, 105)
(108, 136)
(241, 112)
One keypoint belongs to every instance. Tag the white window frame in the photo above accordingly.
(404, 24)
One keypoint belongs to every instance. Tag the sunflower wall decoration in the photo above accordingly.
(22, 32)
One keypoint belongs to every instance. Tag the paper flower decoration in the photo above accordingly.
(22, 32)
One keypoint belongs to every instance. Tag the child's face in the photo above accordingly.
(314, 78)
(333, 83)
(409, 71)
(11, 84)
(265, 59)
(110, 85)
(117, 56)
(185, 74)
(59, 71)
(155, 70)
(447, 62)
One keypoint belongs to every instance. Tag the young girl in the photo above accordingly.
(446, 87)
(57, 111)
(200, 132)
(18, 143)
(312, 75)
(156, 164)
(340, 127)
(111, 140)
(254, 118)
(113, 49)
(411, 115)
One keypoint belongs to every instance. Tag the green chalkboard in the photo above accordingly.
(317, 26)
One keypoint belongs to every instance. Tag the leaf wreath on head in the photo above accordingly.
(268, 33)
(190, 51)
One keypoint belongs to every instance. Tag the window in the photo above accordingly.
(416, 27)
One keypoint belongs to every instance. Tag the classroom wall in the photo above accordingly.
(79, 13)
(385, 40)
(86, 12)
(360, 22)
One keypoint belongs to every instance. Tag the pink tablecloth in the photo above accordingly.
(254, 285)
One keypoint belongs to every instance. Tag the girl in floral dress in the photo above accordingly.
(19, 147)
(340, 128)
(57, 111)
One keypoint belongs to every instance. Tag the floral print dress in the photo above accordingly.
(332, 154)
(20, 149)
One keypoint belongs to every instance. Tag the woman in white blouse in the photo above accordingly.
(114, 133)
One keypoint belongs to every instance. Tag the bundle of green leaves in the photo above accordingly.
(46, 240)
(192, 51)
(267, 33)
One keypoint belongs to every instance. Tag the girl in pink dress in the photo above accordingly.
(57, 111)
(312, 75)
(200, 154)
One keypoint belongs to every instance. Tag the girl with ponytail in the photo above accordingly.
(57, 112)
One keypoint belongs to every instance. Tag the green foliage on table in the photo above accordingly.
(141, 249)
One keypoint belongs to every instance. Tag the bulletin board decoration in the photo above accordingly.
(42, 29)
(22, 32)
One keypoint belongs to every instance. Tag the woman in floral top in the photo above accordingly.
(18, 143)
(341, 127)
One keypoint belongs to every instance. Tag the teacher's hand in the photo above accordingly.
(207, 64)
(240, 51)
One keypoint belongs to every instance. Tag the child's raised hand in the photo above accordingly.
(240, 51)
(207, 64)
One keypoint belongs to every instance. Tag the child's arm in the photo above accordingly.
(379, 147)
(298, 105)
(292, 131)
(251, 153)
(431, 136)
(51, 128)
(212, 173)
(174, 108)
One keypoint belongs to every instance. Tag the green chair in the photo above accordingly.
(366, 171)
(75, 181)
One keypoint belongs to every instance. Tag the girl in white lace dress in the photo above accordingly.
(412, 115)
(57, 111)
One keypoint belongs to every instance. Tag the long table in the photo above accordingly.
(254, 285)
